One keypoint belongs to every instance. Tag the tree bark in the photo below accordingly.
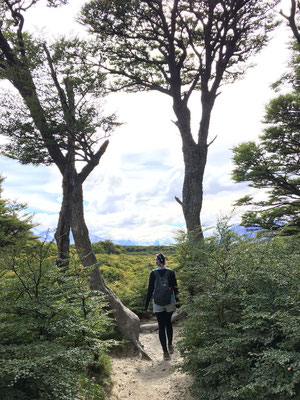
(192, 191)
(127, 321)
(194, 156)
(62, 233)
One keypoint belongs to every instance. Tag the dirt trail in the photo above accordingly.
(157, 379)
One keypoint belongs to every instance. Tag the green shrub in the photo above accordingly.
(241, 340)
(106, 247)
(50, 329)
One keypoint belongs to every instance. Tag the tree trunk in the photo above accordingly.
(194, 156)
(127, 321)
(62, 234)
(192, 191)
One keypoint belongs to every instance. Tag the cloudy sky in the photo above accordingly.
(130, 195)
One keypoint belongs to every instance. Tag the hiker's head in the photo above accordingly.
(160, 259)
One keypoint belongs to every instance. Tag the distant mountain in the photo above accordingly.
(49, 235)
(125, 242)
(95, 238)
(141, 243)
(243, 231)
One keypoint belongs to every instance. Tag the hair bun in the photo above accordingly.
(161, 258)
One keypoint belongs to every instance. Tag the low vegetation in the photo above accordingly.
(241, 339)
(51, 329)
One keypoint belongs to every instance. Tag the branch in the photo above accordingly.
(292, 19)
(88, 168)
(179, 201)
(22, 281)
(7, 51)
(61, 93)
(135, 80)
(211, 142)
(192, 87)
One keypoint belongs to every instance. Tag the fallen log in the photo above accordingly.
(178, 315)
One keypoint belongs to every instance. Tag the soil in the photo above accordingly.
(158, 379)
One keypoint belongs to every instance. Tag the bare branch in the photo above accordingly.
(211, 142)
(178, 201)
(88, 168)
(292, 18)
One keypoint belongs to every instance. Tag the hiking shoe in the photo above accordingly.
(171, 349)
(166, 355)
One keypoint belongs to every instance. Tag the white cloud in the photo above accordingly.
(38, 187)
(53, 21)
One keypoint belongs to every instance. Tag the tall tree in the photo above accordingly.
(273, 163)
(59, 125)
(178, 47)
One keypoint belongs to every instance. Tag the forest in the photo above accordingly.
(67, 308)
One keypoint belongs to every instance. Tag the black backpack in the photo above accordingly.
(162, 290)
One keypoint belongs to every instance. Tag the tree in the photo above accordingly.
(274, 162)
(178, 47)
(13, 225)
(65, 104)
(59, 125)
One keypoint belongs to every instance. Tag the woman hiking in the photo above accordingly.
(163, 287)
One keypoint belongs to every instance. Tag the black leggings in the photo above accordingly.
(165, 325)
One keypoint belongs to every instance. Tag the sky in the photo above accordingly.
(129, 197)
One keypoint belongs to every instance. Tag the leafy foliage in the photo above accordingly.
(162, 45)
(51, 328)
(68, 91)
(13, 226)
(106, 246)
(241, 339)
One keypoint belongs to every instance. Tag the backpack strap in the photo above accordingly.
(166, 274)
(157, 276)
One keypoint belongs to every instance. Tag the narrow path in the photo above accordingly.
(137, 379)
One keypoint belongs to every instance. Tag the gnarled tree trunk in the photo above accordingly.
(127, 321)
(192, 191)
(62, 233)
(195, 157)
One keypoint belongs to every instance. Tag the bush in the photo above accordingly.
(106, 247)
(241, 340)
(51, 325)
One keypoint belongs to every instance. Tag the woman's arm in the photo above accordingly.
(150, 289)
(173, 284)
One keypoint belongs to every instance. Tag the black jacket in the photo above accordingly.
(172, 284)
